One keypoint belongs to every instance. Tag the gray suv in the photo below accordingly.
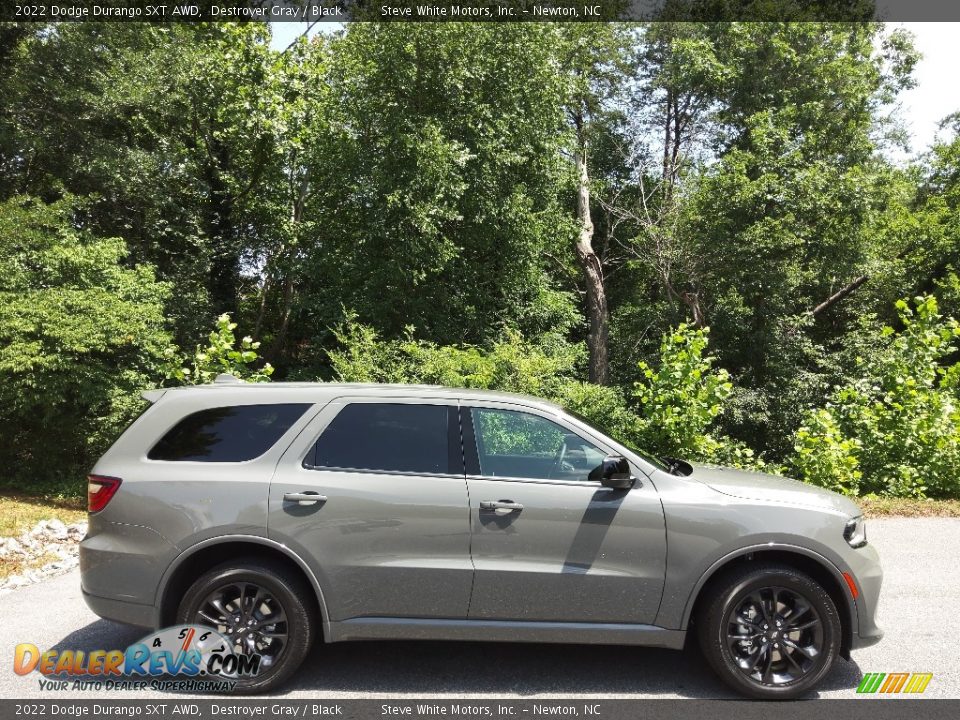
(278, 513)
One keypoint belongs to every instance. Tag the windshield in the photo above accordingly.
(656, 462)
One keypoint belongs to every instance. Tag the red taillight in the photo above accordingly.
(100, 490)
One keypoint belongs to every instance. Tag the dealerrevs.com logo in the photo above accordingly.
(185, 657)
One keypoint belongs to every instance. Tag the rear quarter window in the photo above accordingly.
(234, 433)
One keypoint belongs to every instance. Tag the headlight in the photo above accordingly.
(855, 532)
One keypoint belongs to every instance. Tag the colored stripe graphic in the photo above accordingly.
(870, 682)
(918, 683)
(894, 682)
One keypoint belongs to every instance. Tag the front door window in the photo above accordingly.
(513, 444)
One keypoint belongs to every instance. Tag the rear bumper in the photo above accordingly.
(122, 611)
(120, 570)
(123, 562)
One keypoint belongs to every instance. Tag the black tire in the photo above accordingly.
(286, 592)
(742, 642)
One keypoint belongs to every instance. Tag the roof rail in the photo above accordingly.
(227, 379)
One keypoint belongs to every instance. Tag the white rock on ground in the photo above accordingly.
(47, 536)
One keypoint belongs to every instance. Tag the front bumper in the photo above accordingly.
(868, 576)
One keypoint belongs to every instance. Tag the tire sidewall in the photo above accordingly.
(814, 594)
(300, 626)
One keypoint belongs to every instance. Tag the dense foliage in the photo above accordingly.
(516, 206)
(222, 355)
(895, 429)
(670, 411)
(80, 333)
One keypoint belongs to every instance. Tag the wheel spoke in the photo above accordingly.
(217, 604)
(768, 667)
(752, 660)
(804, 626)
(791, 659)
(246, 608)
(744, 620)
(209, 619)
(271, 621)
(806, 652)
(258, 600)
(765, 609)
(800, 608)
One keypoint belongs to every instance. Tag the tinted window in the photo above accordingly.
(392, 438)
(521, 445)
(227, 434)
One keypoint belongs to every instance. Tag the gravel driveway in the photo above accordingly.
(918, 613)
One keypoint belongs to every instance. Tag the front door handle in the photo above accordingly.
(501, 507)
(307, 497)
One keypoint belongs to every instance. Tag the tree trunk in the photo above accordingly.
(597, 312)
(296, 216)
(839, 295)
(224, 272)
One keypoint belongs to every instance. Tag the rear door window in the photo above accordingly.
(227, 434)
(390, 437)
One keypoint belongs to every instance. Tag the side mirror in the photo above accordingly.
(613, 472)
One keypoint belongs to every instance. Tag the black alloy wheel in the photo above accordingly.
(250, 617)
(769, 631)
(774, 635)
(260, 609)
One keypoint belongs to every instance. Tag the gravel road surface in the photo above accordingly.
(918, 611)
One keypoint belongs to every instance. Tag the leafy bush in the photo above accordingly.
(896, 430)
(221, 356)
(81, 332)
(670, 412)
(512, 364)
(679, 401)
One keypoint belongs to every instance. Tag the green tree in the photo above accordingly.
(81, 333)
(896, 429)
(777, 230)
(168, 129)
(437, 187)
(221, 356)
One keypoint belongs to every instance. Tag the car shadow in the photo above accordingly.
(498, 669)
(101, 635)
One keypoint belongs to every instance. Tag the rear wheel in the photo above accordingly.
(261, 610)
(769, 631)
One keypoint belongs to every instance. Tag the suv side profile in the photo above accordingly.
(278, 513)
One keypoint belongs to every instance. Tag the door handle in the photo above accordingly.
(501, 507)
(308, 497)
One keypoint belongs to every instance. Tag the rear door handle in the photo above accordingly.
(501, 507)
(307, 497)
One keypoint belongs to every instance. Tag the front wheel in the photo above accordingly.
(261, 610)
(769, 631)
